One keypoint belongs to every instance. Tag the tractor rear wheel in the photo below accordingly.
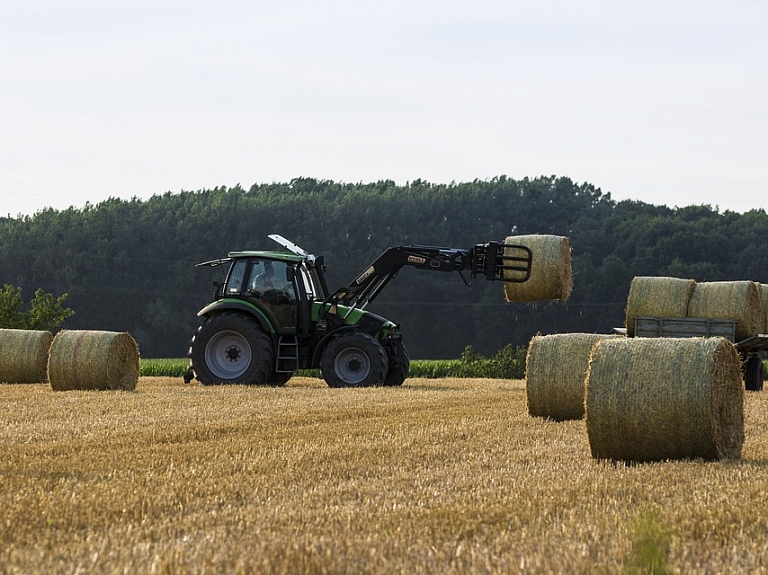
(399, 364)
(231, 348)
(753, 374)
(354, 360)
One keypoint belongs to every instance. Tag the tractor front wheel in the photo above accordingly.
(399, 364)
(231, 348)
(354, 360)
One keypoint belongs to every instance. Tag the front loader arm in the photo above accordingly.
(493, 261)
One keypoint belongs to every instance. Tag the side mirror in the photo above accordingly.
(290, 274)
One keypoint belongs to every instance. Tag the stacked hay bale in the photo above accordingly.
(555, 369)
(24, 355)
(658, 297)
(551, 276)
(93, 360)
(740, 301)
(650, 399)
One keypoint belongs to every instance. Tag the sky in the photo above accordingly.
(662, 101)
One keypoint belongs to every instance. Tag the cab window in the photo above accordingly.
(236, 275)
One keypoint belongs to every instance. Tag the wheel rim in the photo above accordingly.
(352, 365)
(228, 355)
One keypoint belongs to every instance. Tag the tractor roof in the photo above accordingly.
(282, 256)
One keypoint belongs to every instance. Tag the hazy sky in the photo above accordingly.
(664, 101)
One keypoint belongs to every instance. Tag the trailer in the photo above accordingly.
(749, 349)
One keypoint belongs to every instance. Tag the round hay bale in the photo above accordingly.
(24, 355)
(650, 399)
(739, 301)
(551, 276)
(555, 369)
(658, 297)
(93, 360)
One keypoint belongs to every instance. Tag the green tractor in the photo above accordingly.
(273, 314)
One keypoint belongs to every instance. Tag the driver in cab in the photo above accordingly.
(265, 281)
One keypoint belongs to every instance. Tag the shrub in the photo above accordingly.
(508, 363)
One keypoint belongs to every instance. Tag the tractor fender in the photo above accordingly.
(323, 343)
(241, 306)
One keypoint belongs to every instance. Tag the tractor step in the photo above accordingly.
(287, 354)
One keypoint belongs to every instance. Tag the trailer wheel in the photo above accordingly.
(753, 374)
(400, 363)
(231, 348)
(354, 360)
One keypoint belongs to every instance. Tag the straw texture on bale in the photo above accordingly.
(93, 360)
(24, 355)
(657, 296)
(551, 276)
(555, 369)
(650, 399)
(740, 301)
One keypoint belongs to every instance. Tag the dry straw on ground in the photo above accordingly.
(657, 296)
(24, 355)
(446, 476)
(551, 276)
(740, 301)
(555, 368)
(651, 399)
(93, 360)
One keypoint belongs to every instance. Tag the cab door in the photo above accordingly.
(270, 286)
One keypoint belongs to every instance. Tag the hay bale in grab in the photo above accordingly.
(658, 297)
(650, 399)
(551, 276)
(555, 368)
(93, 360)
(739, 301)
(24, 355)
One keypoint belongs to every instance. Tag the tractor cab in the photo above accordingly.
(278, 288)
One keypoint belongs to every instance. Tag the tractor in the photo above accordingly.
(273, 314)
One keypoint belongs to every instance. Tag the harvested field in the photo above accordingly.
(439, 476)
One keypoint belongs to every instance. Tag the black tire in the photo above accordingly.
(354, 360)
(399, 364)
(231, 348)
(279, 379)
(753, 374)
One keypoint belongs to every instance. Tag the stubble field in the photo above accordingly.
(439, 476)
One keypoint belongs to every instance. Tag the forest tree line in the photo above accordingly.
(129, 265)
